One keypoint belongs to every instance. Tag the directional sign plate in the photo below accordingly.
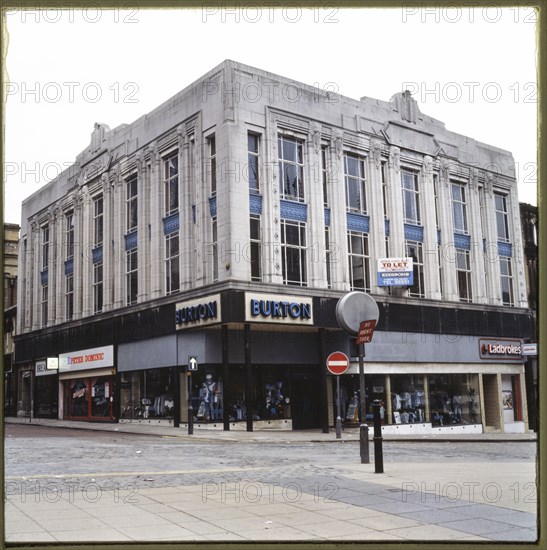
(192, 363)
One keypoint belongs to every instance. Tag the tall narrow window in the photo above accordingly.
(171, 183)
(255, 249)
(328, 257)
(354, 176)
(213, 164)
(459, 208)
(358, 257)
(291, 168)
(69, 235)
(437, 199)
(44, 304)
(131, 276)
(463, 271)
(384, 187)
(252, 156)
(411, 197)
(506, 274)
(69, 255)
(132, 203)
(45, 246)
(414, 251)
(502, 220)
(325, 175)
(69, 297)
(214, 247)
(172, 263)
(98, 220)
(293, 250)
(98, 287)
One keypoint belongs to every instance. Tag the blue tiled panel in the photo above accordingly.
(194, 213)
(69, 267)
(44, 277)
(131, 241)
(357, 222)
(295, 211)
(462, 242)
(505, 249)
(327, 217)
(171, 224)
(414, 233)
(255, 203)
(97, 254)
(213, 206)
(438, 236)
(386, 227)
(484, 245)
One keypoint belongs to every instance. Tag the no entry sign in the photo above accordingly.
(337, 363)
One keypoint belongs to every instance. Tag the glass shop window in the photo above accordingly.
(147, 394)
(454, 399)
(408, 399)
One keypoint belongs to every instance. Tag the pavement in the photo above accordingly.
(315, 436)
(452, 500)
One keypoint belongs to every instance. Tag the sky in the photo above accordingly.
(474, 69)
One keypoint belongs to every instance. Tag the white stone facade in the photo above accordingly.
(229, 103)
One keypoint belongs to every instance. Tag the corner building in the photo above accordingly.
(220, 230)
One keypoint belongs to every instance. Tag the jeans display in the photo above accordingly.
(408, 398)
(147, 394)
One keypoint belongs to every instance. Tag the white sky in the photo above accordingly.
(473, 69)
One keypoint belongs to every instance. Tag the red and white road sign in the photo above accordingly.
(366, 330)
(337, 362)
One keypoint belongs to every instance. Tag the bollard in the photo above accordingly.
(378, 451)
(363, 444)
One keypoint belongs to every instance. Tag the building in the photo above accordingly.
(221, 229)
(11, 251)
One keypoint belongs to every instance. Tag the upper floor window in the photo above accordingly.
(171, 183)
(255, 249)
(411, 197)
(172, 271)
(45, 246)
(506, 281)
(211, 141)
(502, 219)
(324, 175)
(69, 235)
(291, 168)
(414, 250)
(132, 202)
(98, 220)
(358, 259)
(354, 176)
(436, 194)
(459, 208)
(293, 251)
(383, 171)
(463, 271)
(252, 156)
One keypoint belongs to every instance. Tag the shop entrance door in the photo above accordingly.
(492, 406)
(305, 402)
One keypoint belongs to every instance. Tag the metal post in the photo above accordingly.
(378, 451)
(363, 429)
(176, 414)
(190, 407)
(338, 418)
(248, 375)
(225, 377)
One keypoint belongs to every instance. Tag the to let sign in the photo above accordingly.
(366, 330)
(337, 363)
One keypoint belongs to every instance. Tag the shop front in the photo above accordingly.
(87, 384)
(25, 383)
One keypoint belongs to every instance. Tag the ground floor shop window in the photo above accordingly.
(89, 398)
(270, 397)
(408, 398)
(454, 399)
(147, 394)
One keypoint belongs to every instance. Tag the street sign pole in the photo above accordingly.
(338, 417)
(363, 428)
